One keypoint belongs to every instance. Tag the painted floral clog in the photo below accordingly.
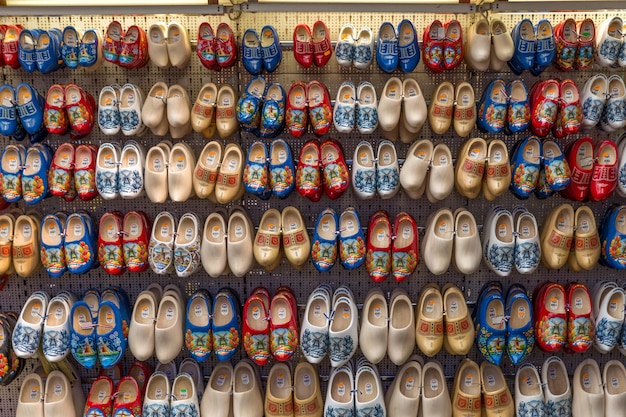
(34, 176)
(378, 258)
(249, 105)
(80, 251)
(336, 176)
(520, 333)
(55, 113)
(580, 323)
(352, 246)
(53, 244)
(256, 173)
(13, 158)
(555, 166)
(110, 253)
(308, 174)
(404, 249)
(281, 169)
(544, 98)
(256, 326)
(324, 249)
(491, 326)
(550, 317)
(492, 107)
(113, 42)
(199, 325)
(273, 112)
(320, 111)
(83, 335)
(226, 324)
(525, 164)
(207, 47)
(518, 107)
(283, 325)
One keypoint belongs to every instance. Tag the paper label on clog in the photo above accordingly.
(317, 311)
(292, 227)
(4, 232)
(443, 160)
(443, 226)
(238, 231)
(158, 394)
(245, 379)
(189, 233)
(169, 313)
(497, 320)
(341, 389)
(256, 313)
(78, 230)
(465, 228)
(492, 313)
(615, 382)
(180, 164)
(224, 309)
(109, 317)
(58, 389)
(306, 379)
(469, 380)
(131, 161)
(586, 381)
(350, 226)
(145, 312)
(521, 312)
(134, 229)
(380, 235)
(157, 165)
(81, 319)
(221, 379)
(183, 393)
(443, 98)
(282, 156)
(528, 152)
(497, 156)
(110, 231)
(36, 164)
(215, 232)
(165, 230)
(554, 303)
(27, 231)
(502, 230)
(325, 225)
(578, 302)
(430, 306)
(346, 313)
(85, 162)
(474, 153)
(12, 163)
(298, 98)
(406, 232)
(613, 305)
(453, 306)
(387, 158)
(369, 389)
(584, 226)
(282, 313)
(258, 157)
(393, 92)
(232, 165)
(606, 158)
(377, 311)
(528, 380)
(552, 372)
(621, 219)
(58, 313)
(465, 100)
(525, 232)
(35, 311)
(198, 310)
(280, 381)
(130, 97)
(552, 93)
(308, 159)
(561, 223)
(434, 384)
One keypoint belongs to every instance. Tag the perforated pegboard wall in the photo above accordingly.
(305, 280)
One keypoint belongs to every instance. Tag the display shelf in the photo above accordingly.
(209, 9)
(334, 7)
(552, 6)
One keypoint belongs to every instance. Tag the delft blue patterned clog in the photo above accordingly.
(226, 324)
(345, 107)
(270, 48)
(9, 120)
(282, 169)
(251, 56)
(250, 104)
(198, 325)
(256, 176)
(27, 334)
(524, 41)
(324, 249)
(492, 107)
(273, 113)
(408, 46)
(520, 341)
(387, 48)
(109, 335)
(83, 335)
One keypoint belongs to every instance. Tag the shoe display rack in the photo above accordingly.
(305, 280)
